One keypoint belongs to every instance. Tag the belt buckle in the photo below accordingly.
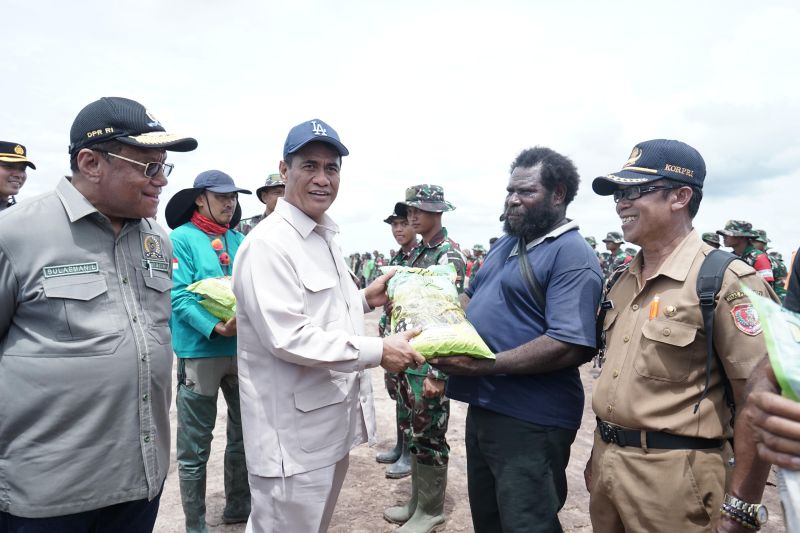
(612, 434)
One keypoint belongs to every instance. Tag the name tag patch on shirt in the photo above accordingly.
(746, 319)
(54, 271)
(161, 266)
(152, 247)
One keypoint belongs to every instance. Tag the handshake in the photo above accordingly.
(398, 354)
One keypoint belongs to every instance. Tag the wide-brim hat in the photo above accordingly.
(126, 121)
(273, 180)
(655, 160)
(181, 206)
(426, 197)
(11, 152)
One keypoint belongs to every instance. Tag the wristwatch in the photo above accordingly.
(756, 511)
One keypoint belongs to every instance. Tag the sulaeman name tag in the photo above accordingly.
(54, 271)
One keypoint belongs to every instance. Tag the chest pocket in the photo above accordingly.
(323, 298)
(155, 298)
(80, 307)
(663, 354)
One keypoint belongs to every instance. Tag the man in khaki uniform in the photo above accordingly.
(660, 460)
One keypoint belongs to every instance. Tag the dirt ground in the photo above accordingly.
(367, 491)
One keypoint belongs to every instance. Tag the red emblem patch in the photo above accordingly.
(746, 319)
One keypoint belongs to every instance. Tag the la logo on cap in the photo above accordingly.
(19, 150)
(317, 129)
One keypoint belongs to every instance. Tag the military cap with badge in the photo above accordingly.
(11, 152)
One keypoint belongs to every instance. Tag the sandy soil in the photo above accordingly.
(367, 491)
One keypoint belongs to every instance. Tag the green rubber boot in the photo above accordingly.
(193, 499)
(402, 467)
(429, 515)
(401, 513)
(237, 484)
(394, 454)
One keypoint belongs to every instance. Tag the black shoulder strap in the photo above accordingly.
(709, 282)
(527, 274)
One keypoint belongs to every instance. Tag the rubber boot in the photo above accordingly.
(402, 467)
(394, 454)
(196, 417)
(237, 485)
(193, 498)
(401, 513)
(429, 515)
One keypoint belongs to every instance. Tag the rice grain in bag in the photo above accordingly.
(427, 298)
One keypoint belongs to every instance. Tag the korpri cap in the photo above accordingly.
(14, 153)
(614, 236)
(655, 160)
(312, 131)
(181, 206)
(126, 121)
(273, 180)
(737, 228)
(427, 197)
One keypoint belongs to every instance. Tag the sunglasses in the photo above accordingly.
(636, 191)
(151, 169)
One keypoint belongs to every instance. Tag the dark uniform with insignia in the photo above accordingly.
(13, 171)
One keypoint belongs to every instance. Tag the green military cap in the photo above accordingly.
(711, 238)
(614, 236)
(775, 254)
(273, 180)
(761, 236)
(426, 197)
(737, 228)
(591, 240)
(478, 248)
(630, 251)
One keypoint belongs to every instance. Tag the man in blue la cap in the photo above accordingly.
(661, 460)
(306, 400)
(205, 247)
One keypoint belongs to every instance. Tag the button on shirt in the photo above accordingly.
(654, 372)
(85, 357)
(302, 351)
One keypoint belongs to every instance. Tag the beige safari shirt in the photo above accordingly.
(85, 357)
(305, 398)
(654, 371)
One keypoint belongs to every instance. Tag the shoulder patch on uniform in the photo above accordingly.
(740, 268)
(746, 319)
(734, 295)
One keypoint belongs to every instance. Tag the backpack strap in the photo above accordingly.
(534, 288)
(709, 283)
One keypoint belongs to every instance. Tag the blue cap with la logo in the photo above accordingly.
(312, 131)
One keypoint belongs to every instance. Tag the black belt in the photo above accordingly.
(655, 439)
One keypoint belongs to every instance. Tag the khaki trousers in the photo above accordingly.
(302, 503)
(636, 490)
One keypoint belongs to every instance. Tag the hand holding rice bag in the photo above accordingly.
(427, 298)
(218, 298)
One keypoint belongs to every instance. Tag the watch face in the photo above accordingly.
(762, 515)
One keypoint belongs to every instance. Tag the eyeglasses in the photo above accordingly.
(151, 169)
(636, 191)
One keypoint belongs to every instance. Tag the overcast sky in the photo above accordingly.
(428, 92)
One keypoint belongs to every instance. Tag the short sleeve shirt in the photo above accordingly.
(504, 314)
(654, 372)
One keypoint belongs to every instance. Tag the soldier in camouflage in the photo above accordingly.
(712, 239)
(480, 253)
(423, 388)
(739, 234)
(399, 457)
(778, 267)
(618, 257)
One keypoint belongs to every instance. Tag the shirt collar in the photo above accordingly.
(75, 204)
(438, 239)
(678, 263)
(556, 233)
(303, 223)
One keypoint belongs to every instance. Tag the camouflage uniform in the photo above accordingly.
(616, 259)
(780, 273)
(751, 255)
(428, 424)
(478, 262)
